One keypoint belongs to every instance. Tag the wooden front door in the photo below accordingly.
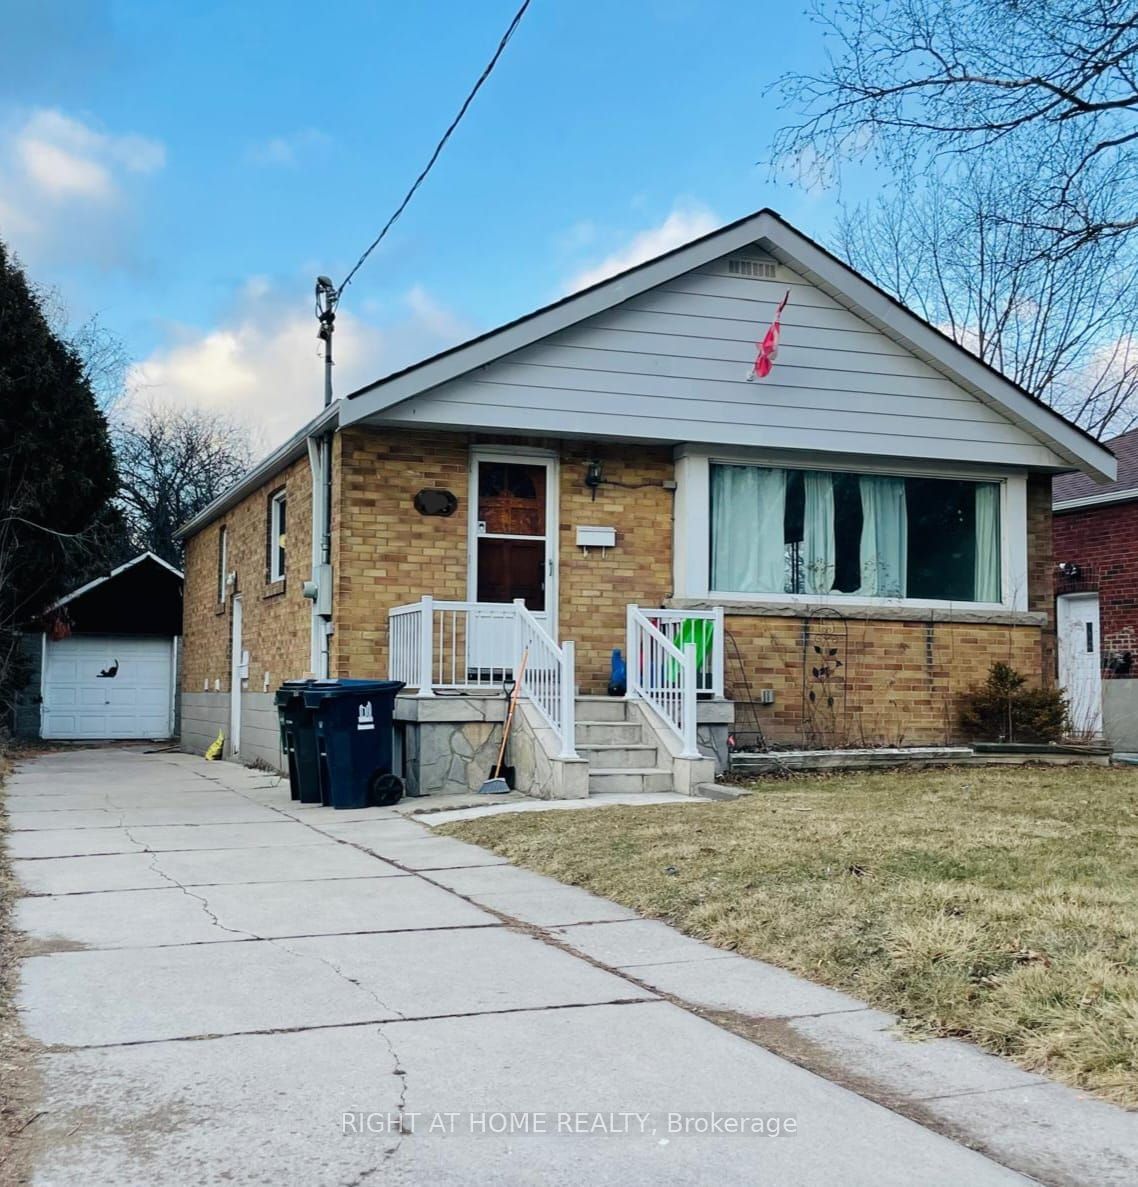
(512, 546)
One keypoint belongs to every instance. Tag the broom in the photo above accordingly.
(496, 785)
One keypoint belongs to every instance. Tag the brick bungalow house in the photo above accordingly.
(831, 554)
(1096, 556)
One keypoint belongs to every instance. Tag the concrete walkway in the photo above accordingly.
(232, 988)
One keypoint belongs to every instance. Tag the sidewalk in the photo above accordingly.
(229, 986)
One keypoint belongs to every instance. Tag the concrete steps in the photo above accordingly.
(621, 757)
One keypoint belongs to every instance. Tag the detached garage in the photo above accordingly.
(107, 659)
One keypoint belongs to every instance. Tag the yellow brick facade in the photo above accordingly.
(851, 682)
(899, 681)
(275, 616)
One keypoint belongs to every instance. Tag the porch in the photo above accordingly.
(665, 729)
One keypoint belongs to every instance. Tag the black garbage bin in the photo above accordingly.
(298, 741)
(354, 728)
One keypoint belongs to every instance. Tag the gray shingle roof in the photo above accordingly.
(1083, 486)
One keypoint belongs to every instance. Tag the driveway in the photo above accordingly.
(229, 988)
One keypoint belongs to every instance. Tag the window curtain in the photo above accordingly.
(819, 554)
(987, 575)
(748, 513)
(884, 537)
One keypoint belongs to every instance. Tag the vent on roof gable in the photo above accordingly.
(752, 269)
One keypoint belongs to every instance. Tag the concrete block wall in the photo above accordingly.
(204, 715)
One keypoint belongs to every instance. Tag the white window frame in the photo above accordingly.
(692, 542)
(277, 556)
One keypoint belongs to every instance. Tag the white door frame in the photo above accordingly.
(1078, 675)
(235, 676)
(531, 457)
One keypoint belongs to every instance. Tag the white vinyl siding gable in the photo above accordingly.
(671, 364)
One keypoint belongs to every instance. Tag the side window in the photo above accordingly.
(278, 524)
(222, 561)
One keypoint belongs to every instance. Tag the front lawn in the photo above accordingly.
(999, 904)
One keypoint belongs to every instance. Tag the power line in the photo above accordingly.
(438, 147)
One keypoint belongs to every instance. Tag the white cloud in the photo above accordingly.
(62, 156)
(286, 150)
(65, 185)
(59, 174)
(685, 223)
(264, 365)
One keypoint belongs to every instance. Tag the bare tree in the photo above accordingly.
(172, 462)
(963, 252)
(102, 354)
(1056, 81)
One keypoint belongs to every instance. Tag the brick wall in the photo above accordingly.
(1103, 542)
(276, 617)
(900, 681)
(595, 589)
(388, 554)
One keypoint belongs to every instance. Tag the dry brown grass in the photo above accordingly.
(16, 1084)
(998, 904)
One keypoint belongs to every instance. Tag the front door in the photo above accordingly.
(514, 531)
(1080, 668)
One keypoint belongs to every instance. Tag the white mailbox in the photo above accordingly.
(595, 537)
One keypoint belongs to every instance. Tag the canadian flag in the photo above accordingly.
(768, 348)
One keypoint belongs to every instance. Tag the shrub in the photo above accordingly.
(1003, 709)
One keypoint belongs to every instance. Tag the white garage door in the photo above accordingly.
(108, 686)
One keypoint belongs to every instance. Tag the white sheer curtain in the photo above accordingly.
(884, 537)
(987, 577)
(819, 553)
(748, 513)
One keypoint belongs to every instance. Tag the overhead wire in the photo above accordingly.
(438, 147)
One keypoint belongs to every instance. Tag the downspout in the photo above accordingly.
(319, 589)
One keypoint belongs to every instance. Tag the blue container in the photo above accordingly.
(354, 734)
(298, 741)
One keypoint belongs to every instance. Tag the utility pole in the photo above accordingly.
(327, 298)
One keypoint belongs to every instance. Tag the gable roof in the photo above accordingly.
(790, 247)
(1071, 491)
(142, 558)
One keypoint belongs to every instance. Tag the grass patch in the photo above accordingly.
(997, 904)
(16, 1083)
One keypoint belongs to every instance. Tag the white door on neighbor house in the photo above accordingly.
(512, 548)
(238, 668)
(108, 686)
(1080, 665)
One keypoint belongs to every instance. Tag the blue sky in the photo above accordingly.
(184, 171)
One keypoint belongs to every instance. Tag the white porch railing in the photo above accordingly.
(471, 646)
(662, 674)
(451, 645)
(549, 681)
(706, 631)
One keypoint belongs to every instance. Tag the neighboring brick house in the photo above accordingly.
(859, 535)
(1096, 556)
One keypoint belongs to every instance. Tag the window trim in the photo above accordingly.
(692, 534)
(277, 555)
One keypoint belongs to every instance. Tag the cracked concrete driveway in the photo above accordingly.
(227, 987)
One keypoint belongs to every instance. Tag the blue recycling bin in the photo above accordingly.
(298, 741)
(354, 728)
